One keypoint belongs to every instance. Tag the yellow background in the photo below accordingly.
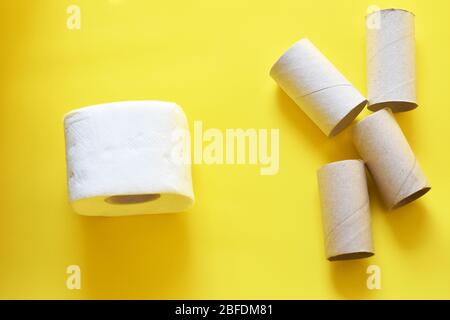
(248, 236)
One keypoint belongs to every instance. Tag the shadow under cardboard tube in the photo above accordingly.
(350, 278)
(299, 119)
(339, 147)
(409, 223)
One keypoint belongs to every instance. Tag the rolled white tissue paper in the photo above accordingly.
(317, 87)
(120, 159)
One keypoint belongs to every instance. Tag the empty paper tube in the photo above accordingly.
(390, 160)
(391, 65)
(345, 210)
(317, 87)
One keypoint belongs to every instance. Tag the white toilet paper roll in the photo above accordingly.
(317, 87)
(127, 158)
(391, 60)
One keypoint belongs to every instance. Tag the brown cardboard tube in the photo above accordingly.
(391, 60)
(317, 87)
(345, 210)
(393, 165)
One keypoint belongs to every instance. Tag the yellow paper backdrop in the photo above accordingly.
(248, 236)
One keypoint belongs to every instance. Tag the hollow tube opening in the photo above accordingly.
(411, 197)
(347, 120)
(132, 198)
(351, 256)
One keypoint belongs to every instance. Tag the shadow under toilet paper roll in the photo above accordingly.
(345, 210)
(317, 87)
(393, 165)
(119, 159)
(391, 60)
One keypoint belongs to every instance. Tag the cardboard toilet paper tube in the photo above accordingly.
(345, 210)
(317, 87)
(120, 159)
(396, 171)
(391, 60)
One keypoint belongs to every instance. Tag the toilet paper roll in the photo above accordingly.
(345, 210)
(396, 171)
(317, 87)
(391, 60)
(124, 158)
